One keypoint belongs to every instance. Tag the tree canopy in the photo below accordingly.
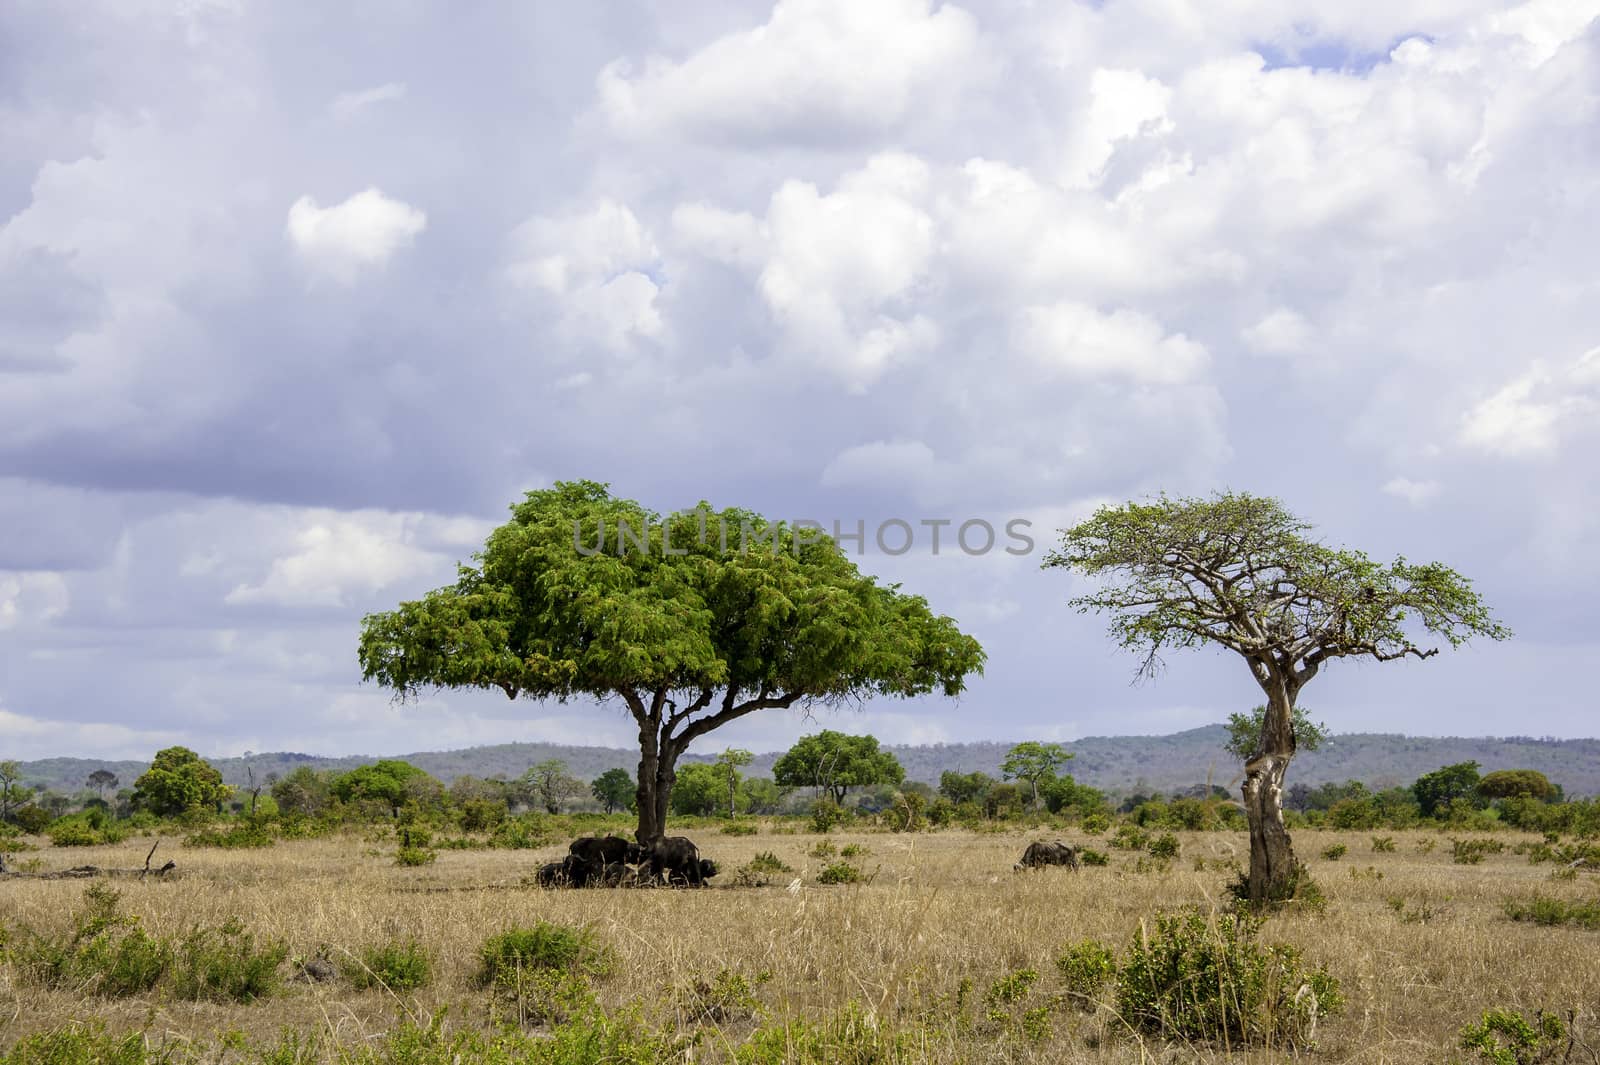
(389, 782)
(689, 621)
(1511, 783)
(1447, 786)
(1034, 762)
(613, 789)
(179, 780)
(834, 761)
(1244, 732)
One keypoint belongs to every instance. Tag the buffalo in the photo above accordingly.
(553, 875)
(600, 851)
(674, 859)
(1040, 854)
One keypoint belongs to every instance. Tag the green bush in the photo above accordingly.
(1543, 910)
(401, 966)
(840, 873)
(1199, 978)
(1130, 838)
(239, 835)
(826, 815)
(414, 856)
(520, 833)
(1085, 968)
(740, 828)
(1505, 1037)
(1383, 844)
(1472, 851)
(849, 1037)
(1096, 824)
(1164, 847)
(1089, 856)
(106, 954)
(72, 832)
(226, 964)
(728, 996)
(80, 1044)
(544, 946)
(1335, 852)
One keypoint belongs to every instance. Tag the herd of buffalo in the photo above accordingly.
(611, 861)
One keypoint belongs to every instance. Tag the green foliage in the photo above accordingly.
(615, 789)
(546, 945)
(107, 952)
(411, 857)
(1089, 856)
(177, 781)
(1334, 852)
(1244, 732)
(1506, 1037)
(758, 871)
(1034, 762)
(740, 828)
(1199, 978)
(389, 783)
(849, 1037)
(1446, 787)
(726, 997)
(840, 872)
(240, 834)
(528, 832)
(964, 787)
(72, 832)
(1164, 847)
(550, 785)
(226, 964)
(1511, 783)
(1473, 851)
(398, 966)
(1383, 844)
(481, 815)
(303, 791)
(1085, 968)
(826, 815)
(90, 1044)
(834, 761)
(700, 790)
(1553, 912)
(1129, 838)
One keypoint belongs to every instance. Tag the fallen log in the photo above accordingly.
(86, 872)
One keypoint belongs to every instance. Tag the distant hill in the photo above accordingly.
(1118, 764)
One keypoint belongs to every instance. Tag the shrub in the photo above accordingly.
(1130, 838)
(1505, 1037)
(239, 835)
(1089, 856)
(726, 997)
(1164, 847)
(768, 862)
(72, 832)
(1335, 852)
(1543, 910)
(397, 966)
(823, 849)
(544, 946)
(1208, 979)
(480, 815)
(106, 954)
(226, 965)
(414, 856)
(1096, 824)
(825, 815)
(854, 850)
(1472, 851)
(740, 828)
(520, 833)
(1085, 968)
(79, 1044)
(840, 873)
(849, 1037)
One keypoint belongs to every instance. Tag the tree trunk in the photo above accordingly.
(650, 825)
(1273, 870)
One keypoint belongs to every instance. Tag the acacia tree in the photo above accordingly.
(1240, 572)
(833, 761)
(1034, 762)
(613, 789)
(728, 763)
(688, 621)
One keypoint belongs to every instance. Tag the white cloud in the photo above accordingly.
(340, 557)
(1531, 414)
(349, 105)
(817, 69)
(33, 737)
(1123, 104)
(1282, 332)
(357, 235)
(1125, 344)
(28, 599)
(1414, 492)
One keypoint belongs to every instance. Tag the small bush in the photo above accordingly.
(1088, 856)
(1383, 844)
(397, 966)
(826, 815)
(1505, 1037)
(823, 849)
(80, 1044)
(1096, 824)
(544, 946)
(1335, 852)
(1130, 838)
(854, 850)
(240, 835)
(727, 996)
(768, 862)
(1551, 912)
(1085, 968)
(415, 856)
(740, 828)
(72, 832)
(226, 965)
(1472, 851)
(1208, 979)
(107, 953)
(840, 873)
(520, 833)
(1164, 847)
(849, 1037)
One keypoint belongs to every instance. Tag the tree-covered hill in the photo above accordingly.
(1119, 764)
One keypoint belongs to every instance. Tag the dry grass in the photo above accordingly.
(938, 908)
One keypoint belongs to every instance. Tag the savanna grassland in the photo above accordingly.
(918, 962)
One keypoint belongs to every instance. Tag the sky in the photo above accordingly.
(297, 298)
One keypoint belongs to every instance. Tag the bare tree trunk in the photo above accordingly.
(650, 823)
(1273, 870)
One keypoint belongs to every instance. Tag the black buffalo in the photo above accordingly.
(600, 851)
(674, 859)
(553, 875)
(1040, 854)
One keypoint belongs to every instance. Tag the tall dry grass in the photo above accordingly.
(1420, 944)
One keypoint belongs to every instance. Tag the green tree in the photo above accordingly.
(1446, 786)
(1511, 783)
(179, 780)
(1244, 732)
(551, 785)
(834, 761)
(699, 790)
(1034, 762)
(614, 789)
(388, 782)
(728, 762)
(690, 621)
(964, 787)
(760, 795)
(13, 792)
(1240, 572)
(304, 791)
(102, 781)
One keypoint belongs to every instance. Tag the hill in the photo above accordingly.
(1117, 764)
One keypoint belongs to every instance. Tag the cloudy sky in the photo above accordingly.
(296, 299)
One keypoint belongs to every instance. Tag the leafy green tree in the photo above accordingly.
(1034, 762)
(760, 795)
(179, 780)
(1511, 783)
(699, 790)
(834, 761)
(690, 621)
(1244, 732)
(1062, 793)
(614, 789)
(551, 785)
(388, 782)
(102, 781)
(964, 787)
(1447, 786)
(13, 792)
(1240, 572)
(304, 791)
(728, 762)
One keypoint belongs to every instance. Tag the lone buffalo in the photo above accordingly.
(1040, 854)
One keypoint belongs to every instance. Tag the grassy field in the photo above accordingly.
(1420, 944)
